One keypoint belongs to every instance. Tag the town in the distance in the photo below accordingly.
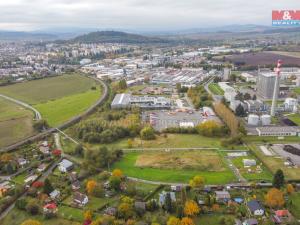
(113, 128)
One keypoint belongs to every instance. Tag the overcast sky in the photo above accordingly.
(136, 14)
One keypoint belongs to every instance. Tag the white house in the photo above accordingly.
(65, 166)
(55, 194)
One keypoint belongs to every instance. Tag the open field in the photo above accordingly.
(297, 90)
(295, 208)
(16, 217)
(43, 90)
(215, 88)
(265, 174)
(204, 160)
(273, 163)
(262, 58)
(170, 141)
(128, 165)
(15, 123)
(58, 111)
(295, 118)
(291, 54)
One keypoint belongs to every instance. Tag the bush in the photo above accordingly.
(33, 207)
(21, 204)
(147, 133)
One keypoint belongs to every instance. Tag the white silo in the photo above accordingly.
(253, 119)
(265, 120)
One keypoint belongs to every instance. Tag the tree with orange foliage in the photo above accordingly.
(191, 208)
(87, 215)
(173, 221)
(6, 157)
(90, 186)
(187, 221)
(290, 189)
(274, 198)
(31, 222)
(197, 182)
(215, 207)
(117, 173)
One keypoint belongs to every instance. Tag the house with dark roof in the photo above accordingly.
(80, 199)
(255, 208)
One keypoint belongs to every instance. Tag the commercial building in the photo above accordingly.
(145, 102)
(265, 84)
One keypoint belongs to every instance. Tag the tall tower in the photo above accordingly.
(276, 88)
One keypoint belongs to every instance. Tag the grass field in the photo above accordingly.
(291, 54)
(171, 141)
(196, 160)
(275, 163)
(295, 118)
(265, 174)
(43, 90)
(297, 91)
(15, 123)
(16, 217)
(59, 98)
(215, 88)
(295, 208)
(58, 111)
(128, 165)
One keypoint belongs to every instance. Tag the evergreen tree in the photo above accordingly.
(240, 111)
(278, 180)
(48, 188)
(168, 203)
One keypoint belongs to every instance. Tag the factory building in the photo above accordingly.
(145, 102)
(278, 131)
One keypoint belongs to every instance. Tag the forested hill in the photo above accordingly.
(116, 37)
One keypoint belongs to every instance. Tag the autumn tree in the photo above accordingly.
(290, 189)
(31, 222)
(173, 221)
(130, 143)
(278, 179)
(187, 221)
(88, 215)
(90, 186)
(191, 208)
(274, 198)
(147, 133)
(211, 128)
(117, 173)
(197, 182)
(228, 117)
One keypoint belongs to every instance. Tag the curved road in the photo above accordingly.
(37, 113)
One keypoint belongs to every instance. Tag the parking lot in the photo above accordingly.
(161, 120)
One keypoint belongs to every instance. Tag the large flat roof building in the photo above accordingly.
(265, 84)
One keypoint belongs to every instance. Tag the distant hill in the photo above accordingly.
(25, 36)
(117, 37)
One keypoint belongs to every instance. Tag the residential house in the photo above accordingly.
(250, 221)
(176, 188)
(140, 206)
(42, 167)
(255, 208)
(76, 185)
(44, 148)
(50, 208)
(162, 197)
(30, 179)
(110, 211)
(5, 187)
(55, 194)
(73, 177)
(222, 196)
(80, 199)
(65, 166)
(22, 162)
(249, 162)
(282, 216)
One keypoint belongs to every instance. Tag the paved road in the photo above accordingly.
(38, 116)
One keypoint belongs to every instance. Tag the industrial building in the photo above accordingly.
(145, 102)
(278, 131)
(265, 84)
